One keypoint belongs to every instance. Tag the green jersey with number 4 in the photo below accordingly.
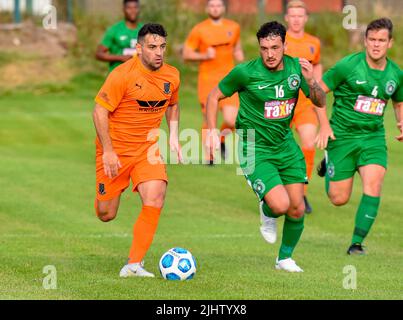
(361, 95)
(267, 99)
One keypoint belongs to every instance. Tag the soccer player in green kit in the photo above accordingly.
(119, 42)
(362, 84)
(275, 168)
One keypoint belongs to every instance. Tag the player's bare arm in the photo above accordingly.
(172, 115)
(110, 159)
(317, 71)
(103, 54)
(190, 54)
(316, 94)
(398, 107)
(325, 131)
(238, 52)
(213, 140)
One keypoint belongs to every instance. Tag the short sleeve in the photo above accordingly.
(235, 81)
(316, 59)
(112, 91)
(237, 33)
(175, 96)
(107, 40)
(337, 74)
(193, 39)
(398, 95)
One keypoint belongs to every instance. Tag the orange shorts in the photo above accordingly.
(232, 101)
(138, 168)
(304, 114)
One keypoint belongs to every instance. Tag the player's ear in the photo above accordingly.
(390, 45)
(139, 48)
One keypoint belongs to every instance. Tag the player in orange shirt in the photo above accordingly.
(129, 108)
(303, 45)
(215, 43)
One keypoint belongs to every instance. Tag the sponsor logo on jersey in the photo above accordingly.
(370, 105)
(151, 106)
(360, 82)
(294, 81)
(123, 38)
(279, 109)
(390, 87)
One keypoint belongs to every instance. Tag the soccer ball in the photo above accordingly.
(177, 264)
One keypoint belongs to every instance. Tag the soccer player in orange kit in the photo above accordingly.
(129, 108)
(215, 44)
(303, 45)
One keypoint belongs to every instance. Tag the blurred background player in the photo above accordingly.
(274, 166)
(215, 43)
(303, 45)
(129, 108)
(362, 83)
(119, 42)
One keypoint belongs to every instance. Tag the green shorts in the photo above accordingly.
(345, 156)
(267, 169)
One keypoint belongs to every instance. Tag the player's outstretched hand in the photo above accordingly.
(306, 69)
(325, 132)
(176, 147)
(400, 127)
(111, 164)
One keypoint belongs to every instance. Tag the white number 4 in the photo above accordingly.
(279, 92)
(375, 91)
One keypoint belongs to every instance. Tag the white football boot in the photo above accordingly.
(288, 265)
(135, 270)
(268, 229)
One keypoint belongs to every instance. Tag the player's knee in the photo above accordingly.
(106, 215)
(339, 199)
(281, 207)
(297, 211)
(157, 200)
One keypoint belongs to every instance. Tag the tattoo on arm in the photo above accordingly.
(317, 95)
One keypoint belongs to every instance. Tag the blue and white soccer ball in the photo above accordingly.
(177, 264)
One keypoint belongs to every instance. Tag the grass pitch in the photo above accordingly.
(47, 218)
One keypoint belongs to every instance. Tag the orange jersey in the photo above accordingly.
(137, 99)
(223, 37)
(307, 47)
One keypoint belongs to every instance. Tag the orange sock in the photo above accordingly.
(225, 130)
(309, 155)
(143, 233)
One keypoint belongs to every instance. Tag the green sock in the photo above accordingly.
(365, 217)
(267, 211)
(292, 231)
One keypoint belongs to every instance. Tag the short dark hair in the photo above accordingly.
(379, 24)
(151, 28)
(272, 29)
(127, 1)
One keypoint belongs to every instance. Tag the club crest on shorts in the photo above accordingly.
(330, 170)
(390, 87)
(101, 189)
(167, 88)
(294, 81)
(259, 186)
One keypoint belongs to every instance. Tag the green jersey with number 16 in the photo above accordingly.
(361, 95)
(267, 99)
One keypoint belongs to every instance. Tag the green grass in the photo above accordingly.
(47, 218)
